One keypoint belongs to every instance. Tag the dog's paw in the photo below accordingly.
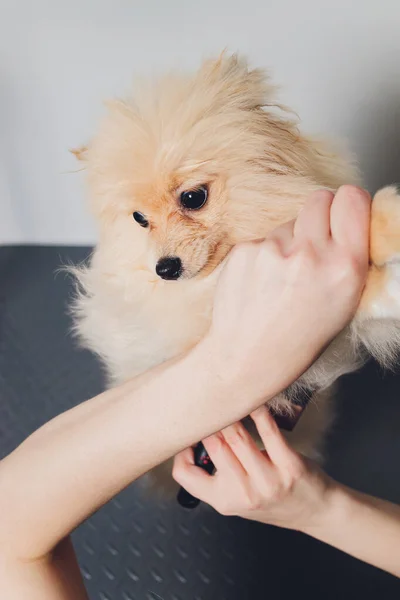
(381, 298)
(377, 323)
(390, 303)
(385, 226)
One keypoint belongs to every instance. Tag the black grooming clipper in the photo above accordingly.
(202, 460)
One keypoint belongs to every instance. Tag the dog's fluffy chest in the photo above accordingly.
(140, 325)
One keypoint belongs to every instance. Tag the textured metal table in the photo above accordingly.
(135, 549)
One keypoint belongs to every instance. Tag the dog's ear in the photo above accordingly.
(231, 80)
(80, 153)
(117, 106)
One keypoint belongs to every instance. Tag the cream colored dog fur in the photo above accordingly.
(220, 129)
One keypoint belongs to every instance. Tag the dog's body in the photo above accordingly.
(213, 137)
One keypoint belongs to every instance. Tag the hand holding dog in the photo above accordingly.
(279, 301)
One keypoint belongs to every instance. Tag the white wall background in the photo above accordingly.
(338, 62)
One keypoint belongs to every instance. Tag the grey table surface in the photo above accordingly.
(140, 549)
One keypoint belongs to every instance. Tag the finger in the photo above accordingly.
(222, 456)
(279, 452)
(195, 481)
(313, 222)
(246, 450)
(350, 219)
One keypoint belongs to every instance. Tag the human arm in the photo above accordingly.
(281, 488)
(270, 296)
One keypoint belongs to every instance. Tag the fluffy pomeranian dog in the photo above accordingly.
(177, 177)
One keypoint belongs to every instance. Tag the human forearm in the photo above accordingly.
(55, 576)
(360, 525)
(77, 462)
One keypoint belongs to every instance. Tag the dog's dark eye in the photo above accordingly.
(194, 199)
(141, 219)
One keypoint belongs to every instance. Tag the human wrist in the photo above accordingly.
(217, 374)
(335, 510)
(239, 376)
(227, 378)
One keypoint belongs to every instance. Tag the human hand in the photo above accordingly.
(276, 486)
(279, 302)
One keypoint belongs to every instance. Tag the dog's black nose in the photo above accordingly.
(169, 267)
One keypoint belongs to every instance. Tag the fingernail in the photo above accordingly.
(354, 191)
(319, 196)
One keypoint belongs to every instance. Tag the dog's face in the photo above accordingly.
(183, 218)
(193, 167)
